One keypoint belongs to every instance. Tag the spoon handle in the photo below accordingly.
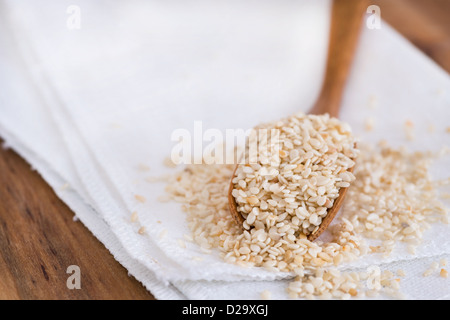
(346, 20)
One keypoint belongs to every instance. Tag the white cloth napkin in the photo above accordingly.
(87, 106)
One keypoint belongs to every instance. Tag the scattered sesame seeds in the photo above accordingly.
(434, 266)
(141, 230)
(134, 217)
(197, 258)
(409, 130)
(409, 124)
(181, 243)
(392, 200)
(431, 269)
(169, 163)
(443, 273)
(369, 124)
(393, 203)
(162, 234)
(140, 198)
(353, 292)
(401, 273)
(65, 187)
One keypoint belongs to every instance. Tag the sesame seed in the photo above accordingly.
(181, 243)
(163, 233)
(134, 217)
(140, 198)
(266, 295)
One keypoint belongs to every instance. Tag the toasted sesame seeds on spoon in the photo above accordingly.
(297, 184)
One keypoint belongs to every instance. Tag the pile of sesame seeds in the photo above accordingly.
(392, 200)
(291, 180)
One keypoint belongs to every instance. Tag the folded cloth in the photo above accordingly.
(88, 106)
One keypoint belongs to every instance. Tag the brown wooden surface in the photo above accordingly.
(39, 240)
(426, 23)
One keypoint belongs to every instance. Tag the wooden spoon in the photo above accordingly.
(344, 33)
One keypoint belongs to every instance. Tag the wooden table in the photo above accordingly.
(39, 239)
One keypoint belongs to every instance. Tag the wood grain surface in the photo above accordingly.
(39, 239)
(425, 23)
